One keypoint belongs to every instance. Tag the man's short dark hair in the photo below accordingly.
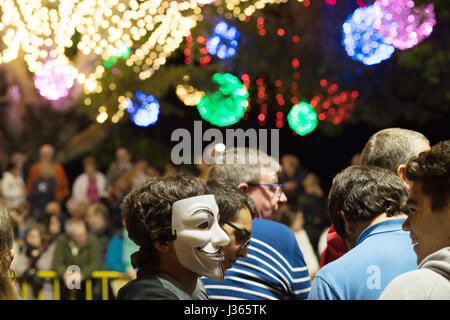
(432, 168)
(230, 200)
(392, 147)
(363, 193)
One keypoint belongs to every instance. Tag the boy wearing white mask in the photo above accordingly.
(175, 222)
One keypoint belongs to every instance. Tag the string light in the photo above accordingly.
(335, 106)
(44, 29)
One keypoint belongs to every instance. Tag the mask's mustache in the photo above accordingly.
(218, 252)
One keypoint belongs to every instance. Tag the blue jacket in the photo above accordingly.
(274, 268)
(382, 252)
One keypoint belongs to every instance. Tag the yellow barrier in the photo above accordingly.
(105, 276)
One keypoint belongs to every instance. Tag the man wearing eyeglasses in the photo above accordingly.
(273, 267)
(236, 212)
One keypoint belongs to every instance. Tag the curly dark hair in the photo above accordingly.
(8, 290)
(147, 211)
(432, 168)
(363, 193)
(230, 200)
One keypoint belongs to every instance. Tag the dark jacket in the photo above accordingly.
(152, 286)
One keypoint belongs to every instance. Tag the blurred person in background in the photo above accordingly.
(113, 200)
(77, 207)
(62, 185)
(42, 191)
(97, 218)
(21, 219)
(117, 168)
(291, 176)
(91, 182)
(137, 175)
(80, 249)
(8, 287)
(12, 185)
(313, 204)
(34, 254)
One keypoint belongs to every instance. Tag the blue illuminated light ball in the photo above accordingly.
(224, 41)
(361, 41)
(145, 111)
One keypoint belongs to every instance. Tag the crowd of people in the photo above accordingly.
(253, 228)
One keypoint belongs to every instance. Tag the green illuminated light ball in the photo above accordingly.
(302, 118)
(227, 105)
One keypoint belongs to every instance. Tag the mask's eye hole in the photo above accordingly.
(204, 225)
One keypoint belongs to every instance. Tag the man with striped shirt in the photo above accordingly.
(274, 268)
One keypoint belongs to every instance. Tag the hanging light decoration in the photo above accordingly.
(224, 41)
(54, 79)
(403, 24)
(227, 105)
(334, 105)
(45, 29)
(188, 94)
(361, 41)
(144, 111)
(302, 118)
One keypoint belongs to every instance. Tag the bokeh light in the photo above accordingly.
(54, 79)
(403, 24)
(188, 94)
(224, 41)
(302, 118)
(145, 110)
(227, 105)
(361, 41)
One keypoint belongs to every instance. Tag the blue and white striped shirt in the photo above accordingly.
(274, 268)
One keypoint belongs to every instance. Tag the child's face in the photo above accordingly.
(34, 238)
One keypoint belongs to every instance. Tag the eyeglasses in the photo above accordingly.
(244, 234)
(272, 185)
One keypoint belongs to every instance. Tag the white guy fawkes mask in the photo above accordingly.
(199, 238)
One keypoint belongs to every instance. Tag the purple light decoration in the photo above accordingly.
(54, 79)
(403, 24)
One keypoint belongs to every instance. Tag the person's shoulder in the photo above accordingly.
(273, 226)
(62, 238)
(145, 289)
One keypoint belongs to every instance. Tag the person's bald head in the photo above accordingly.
(46, 153)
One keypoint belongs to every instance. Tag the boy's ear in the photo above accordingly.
(162, 247)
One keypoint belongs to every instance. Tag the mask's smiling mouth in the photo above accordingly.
(218, 254)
